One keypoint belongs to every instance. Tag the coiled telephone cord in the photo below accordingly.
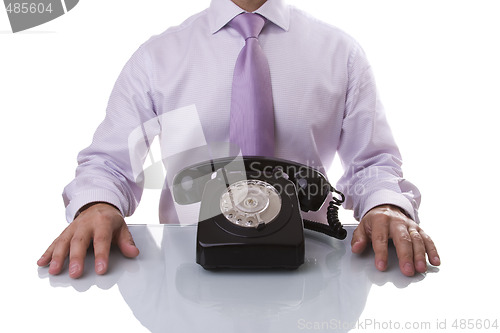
(334, 227)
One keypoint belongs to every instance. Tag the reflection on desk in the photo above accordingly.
(166, 289)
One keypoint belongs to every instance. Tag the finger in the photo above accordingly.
(418, 251)
(59, 253)
(359, 239)
(102, 244)
(126, 243)
(380, 237)
(404, 249)
(430, 248)
(46, 256)
(78, 251)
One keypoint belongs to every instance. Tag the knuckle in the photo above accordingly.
(102, 238)
(417, 238)
(429, 243)
(407, 257)
(62, 239)
(432, 249)
(406, 254)
(427, 239)
(76, 257)
(47, 254)
(125, 232)
(380, 238)
(419, 256)
(404, 238)
(59, 250)
(77, 240)
(58, 257)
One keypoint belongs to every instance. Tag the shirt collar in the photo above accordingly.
(223, 11)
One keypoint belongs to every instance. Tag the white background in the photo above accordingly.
(437, 68)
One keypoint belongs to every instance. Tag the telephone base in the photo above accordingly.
(218, 249)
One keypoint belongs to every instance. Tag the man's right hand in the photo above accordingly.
(101, 223)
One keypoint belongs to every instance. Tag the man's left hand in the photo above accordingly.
(412, 244)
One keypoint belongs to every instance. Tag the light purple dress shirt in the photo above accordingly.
(325, 103)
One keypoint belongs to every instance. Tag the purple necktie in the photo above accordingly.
(252, 116)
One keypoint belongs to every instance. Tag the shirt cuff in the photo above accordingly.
(90, 196)
(388, 197)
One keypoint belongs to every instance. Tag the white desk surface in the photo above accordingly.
(164, 290)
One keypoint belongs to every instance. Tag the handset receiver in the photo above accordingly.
(311, 185)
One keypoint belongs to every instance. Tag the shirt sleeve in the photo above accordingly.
(105, 169)
(367, 150)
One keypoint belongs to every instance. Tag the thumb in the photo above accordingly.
(126, 243)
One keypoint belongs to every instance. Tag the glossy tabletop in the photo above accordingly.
(165, 290)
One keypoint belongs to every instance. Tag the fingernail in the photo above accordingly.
(408, 268)
(421, 266)
(437, 261)
(99, 267)
(380, 265)
(73, 268)
(53, 266)
(42, 259)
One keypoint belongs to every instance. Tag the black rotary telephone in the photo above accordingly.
(249, 214)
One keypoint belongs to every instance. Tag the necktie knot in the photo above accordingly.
(248, 25)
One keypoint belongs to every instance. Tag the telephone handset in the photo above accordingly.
(250, 210)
